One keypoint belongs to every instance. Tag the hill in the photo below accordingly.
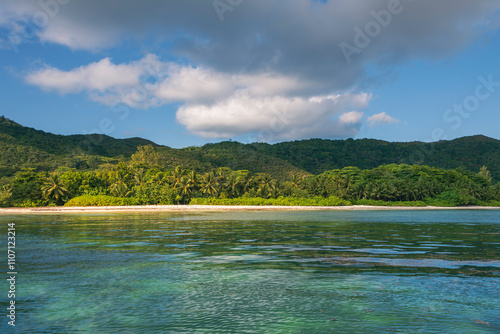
(22, 147)
(93, 144)
(318, 155)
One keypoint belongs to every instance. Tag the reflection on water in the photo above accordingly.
(258, 272)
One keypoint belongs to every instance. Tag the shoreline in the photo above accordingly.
(209, 208)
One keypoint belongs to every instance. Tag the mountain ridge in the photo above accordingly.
(23, 147)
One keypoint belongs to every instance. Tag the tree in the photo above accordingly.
(295, 181)
(176, 176)
(263, 190)
(5, 195)
(246, 180)
(209, 185)
(53, 188)
(233, 185)
(485, 173)
(123, 173)
(192, 179)
(26, 185)
(120, 189)
(185, 189)
(139, 177)
(146, 157)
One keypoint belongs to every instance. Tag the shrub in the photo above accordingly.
(31, 203)
(101, 200)
(280, 201)
(155, 194)
(4, 199)
(451, 197)
(384, 203)
(490, 203)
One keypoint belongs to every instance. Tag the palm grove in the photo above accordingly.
(145, 179)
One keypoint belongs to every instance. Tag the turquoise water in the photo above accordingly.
(257, 272)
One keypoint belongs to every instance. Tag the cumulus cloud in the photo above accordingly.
(99, 76)
(160, 82)
(264, 55)
(380, 119)
(214, 105)
(104, 81)
(260, 34)
(277, 118)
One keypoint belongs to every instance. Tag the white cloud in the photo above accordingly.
(62, 32)
(99, 76)
(104, 81)
(111, 83)
(352, 117)
(214, 104)
(189, 84)
(259, 70)
(276, 118)
(259, 36)
(382, 118)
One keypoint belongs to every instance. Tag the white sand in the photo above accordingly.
(204, 208)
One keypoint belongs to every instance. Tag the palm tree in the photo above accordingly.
(310, 184)
(120, 189)
(246, 180)
(263, 191)
(274, 192)
(209, 185)
(159, 178)
(8, 189)
(358, 190)
(485, 173)
(5, 194)
(233, 185)
(185, 186)
(140, 177)
(288, 189)
(176, 176)
(53, 187)
(192, 179)
(295, 181)
(265, 180)
(322, 186)
(222, 172)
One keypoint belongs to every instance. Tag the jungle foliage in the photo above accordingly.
(125, 184)
(39, 169)
(23, 147)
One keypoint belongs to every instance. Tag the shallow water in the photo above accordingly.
(257, 272)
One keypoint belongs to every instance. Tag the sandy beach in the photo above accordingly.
(205, 208)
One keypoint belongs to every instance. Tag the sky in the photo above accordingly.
(189, 72)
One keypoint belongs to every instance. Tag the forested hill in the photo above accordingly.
(93, 144)
(318, 155)
(26, 147)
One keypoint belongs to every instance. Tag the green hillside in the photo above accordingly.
(94, 144)
(318, 155)
(239, 156)
(22, 147)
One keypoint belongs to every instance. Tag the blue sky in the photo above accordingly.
(185, 73)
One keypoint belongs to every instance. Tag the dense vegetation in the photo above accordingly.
(37, 169)
(22, 147)
(319, 155)
(140, 183)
